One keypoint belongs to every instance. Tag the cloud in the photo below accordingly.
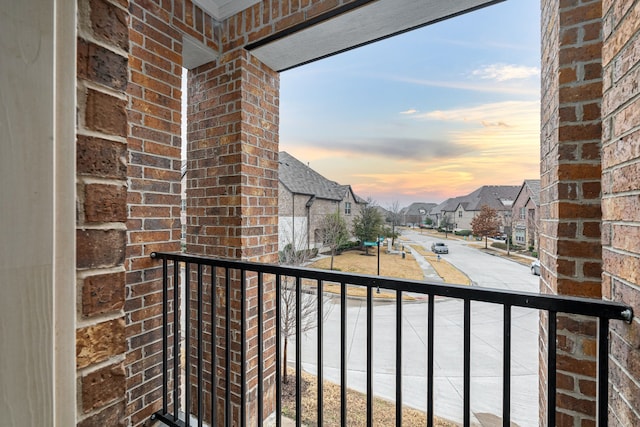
(496, 114)
(475, 86)
(505, 72)
(397, 148)
(409, 111)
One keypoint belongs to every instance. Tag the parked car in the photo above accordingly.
(535, 267)
(439, 248)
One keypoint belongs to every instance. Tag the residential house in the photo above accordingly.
(525, 214)
(458, 212)
(416, 213)
(304, 198)
(90, 188)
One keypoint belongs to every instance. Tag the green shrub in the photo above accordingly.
(463, 233)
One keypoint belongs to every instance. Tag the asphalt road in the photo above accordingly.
(486, 345)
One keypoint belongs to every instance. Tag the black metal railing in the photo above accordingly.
(205, 288)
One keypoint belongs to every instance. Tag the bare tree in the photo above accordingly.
(394, 215)
(334, 233)
(486, 223)
(298, 291)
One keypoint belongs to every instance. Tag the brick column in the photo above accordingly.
(103, 46)
(621, 193)
(570, 247)
(232, 198)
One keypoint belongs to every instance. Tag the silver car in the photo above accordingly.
(439, 248)
(535, 267)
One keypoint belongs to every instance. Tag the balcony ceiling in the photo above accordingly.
(222, 9)
(356, 26)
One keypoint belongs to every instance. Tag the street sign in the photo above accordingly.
(371, 243)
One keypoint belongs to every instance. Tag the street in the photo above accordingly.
(486, 345)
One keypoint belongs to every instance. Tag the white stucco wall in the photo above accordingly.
(37, 215)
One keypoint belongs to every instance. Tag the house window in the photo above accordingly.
(459, 214)
(522, 212)
(347, 208)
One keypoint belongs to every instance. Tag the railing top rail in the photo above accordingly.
(558, 303)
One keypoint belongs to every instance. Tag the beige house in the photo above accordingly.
(525, 214)
(458, 212)
(304, 198)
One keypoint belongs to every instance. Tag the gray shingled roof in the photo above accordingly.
(490, 195)
(534, 186)
(301, 179)
(414, 208)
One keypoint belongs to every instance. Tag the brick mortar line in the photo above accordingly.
(84, 274)
(105, 226)
(101, 365)
(83, 322)
(100, 135)
(89, 84)
(90, 179)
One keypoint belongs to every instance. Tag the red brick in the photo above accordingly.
(101, 158)
(105, 113)
(101, 65)
(110, 23)
(105, 203)
(102, 387)
(111, 416)
(100, 248)
(103, 293)
(97, 343)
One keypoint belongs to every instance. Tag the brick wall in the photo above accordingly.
(154, 187)
(103, 46)
(232, 194)
(570, 249)
(621, 193)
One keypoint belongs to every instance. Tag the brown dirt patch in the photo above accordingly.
(383, 410)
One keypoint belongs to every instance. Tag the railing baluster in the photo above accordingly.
(369, 356)
(320, 334)
(200, 352)
(176, 340)
(187, 343)
(551, 369)
(214, 347)
(278, 351)
(430, 348)
(298, 352)
(343, 354)
(466, 416)
(603, 371)
(399, 358)
(506, 367)
(260, 349)
(165, 335)
(243, 348)
(227, 363)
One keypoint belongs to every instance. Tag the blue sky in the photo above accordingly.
(426, 115)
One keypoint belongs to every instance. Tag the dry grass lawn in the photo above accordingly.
(391, 265)
(384, 412)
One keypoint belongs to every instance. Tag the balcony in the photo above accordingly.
(232, 296)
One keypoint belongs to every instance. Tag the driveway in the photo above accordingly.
(486, 346)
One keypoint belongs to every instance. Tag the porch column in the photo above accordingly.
(232, 204)
(570, 246)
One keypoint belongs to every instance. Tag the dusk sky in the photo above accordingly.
(427, 115)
